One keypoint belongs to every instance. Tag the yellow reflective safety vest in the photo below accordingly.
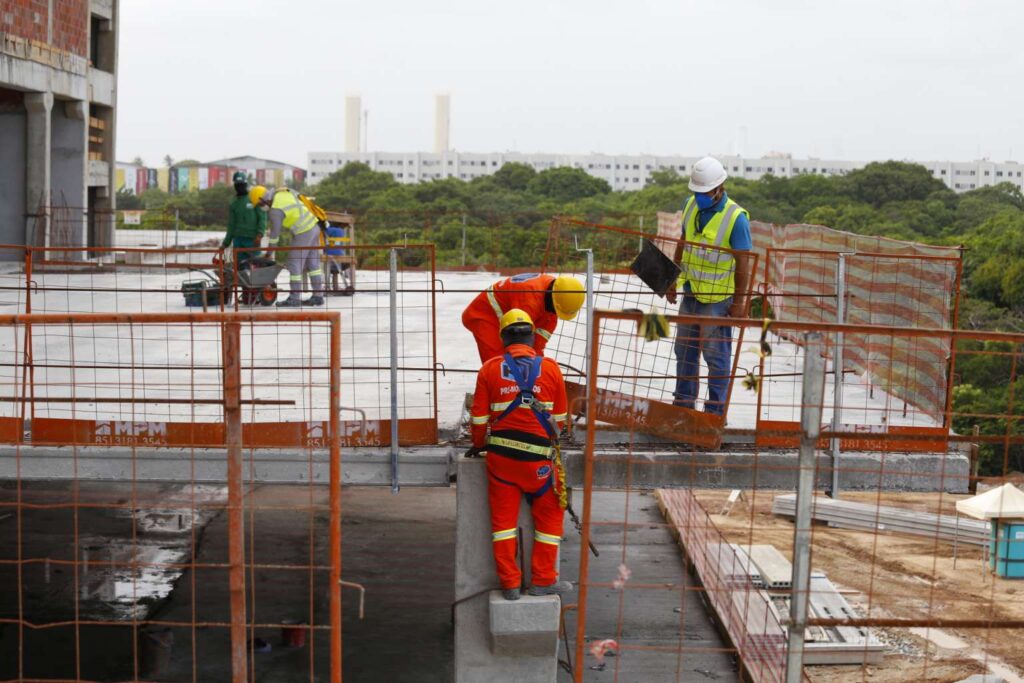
(297, 218)
(705, 263)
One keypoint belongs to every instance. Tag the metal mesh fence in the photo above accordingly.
(104, 581)
(184, 280)
(897, 568)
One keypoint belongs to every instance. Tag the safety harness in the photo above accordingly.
(525, 397)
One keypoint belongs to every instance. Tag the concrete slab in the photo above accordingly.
(664, 632)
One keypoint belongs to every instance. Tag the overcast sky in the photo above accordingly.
(863, 80)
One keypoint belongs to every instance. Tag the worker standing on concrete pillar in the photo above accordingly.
(715, 265)
(287, 212)
(246, 222)
(521, 396)
(544, 298)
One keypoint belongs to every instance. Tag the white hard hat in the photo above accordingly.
(708, 173)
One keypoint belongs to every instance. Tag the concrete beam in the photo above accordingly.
(360, 467)
(101, 87)
(99, 175)
(434, 466)
(102, 8)
(25, 74)
(656, 467)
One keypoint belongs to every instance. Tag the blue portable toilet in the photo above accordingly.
(1003, 508)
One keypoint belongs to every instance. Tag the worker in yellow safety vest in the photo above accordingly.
(715, 276)
(287, 212)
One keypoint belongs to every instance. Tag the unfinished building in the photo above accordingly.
(231, 494)
(58, 103)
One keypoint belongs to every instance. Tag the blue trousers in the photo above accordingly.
(714, 342)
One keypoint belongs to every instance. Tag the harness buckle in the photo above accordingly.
(527, 399)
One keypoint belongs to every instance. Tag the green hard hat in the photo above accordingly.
(239, 177)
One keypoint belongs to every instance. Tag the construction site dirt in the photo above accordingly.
(893, 576)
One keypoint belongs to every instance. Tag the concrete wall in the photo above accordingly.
(12, 180)
(772, 470)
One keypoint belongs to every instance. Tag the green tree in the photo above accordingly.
(563, 185)
(879, 183)
(514, 176)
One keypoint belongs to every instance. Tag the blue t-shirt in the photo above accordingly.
(739, 240)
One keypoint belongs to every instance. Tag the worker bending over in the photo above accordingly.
(287, 212)
(544, 298)
(521, 396)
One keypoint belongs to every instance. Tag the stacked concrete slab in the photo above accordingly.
(850, 515)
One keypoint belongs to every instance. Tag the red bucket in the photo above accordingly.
(293, 634)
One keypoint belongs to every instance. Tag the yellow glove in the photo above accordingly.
(653, 326)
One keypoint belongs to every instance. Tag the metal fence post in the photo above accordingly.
(176, 221)
(837, 370)
(589, 287)
(335, 498)
(394, 370)
(810, 428)
(230, 349)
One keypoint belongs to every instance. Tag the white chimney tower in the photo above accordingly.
(442, 123)
(353, 117)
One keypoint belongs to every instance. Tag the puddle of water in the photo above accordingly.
(164, 537)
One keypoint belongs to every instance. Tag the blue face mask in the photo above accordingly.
(704, 201)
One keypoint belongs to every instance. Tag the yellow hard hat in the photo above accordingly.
(256, 193)
(514, 316)
(567, 295)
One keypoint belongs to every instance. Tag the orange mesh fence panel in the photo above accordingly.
(192, 578)
(167, 280)
(901, 558)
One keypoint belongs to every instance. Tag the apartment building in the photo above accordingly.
(632, 172)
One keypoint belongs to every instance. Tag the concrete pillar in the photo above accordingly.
(69, 173)
(12, 190)
(513, 641)
(37, 165)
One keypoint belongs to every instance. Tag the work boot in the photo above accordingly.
(510, 593)
(314, 300)
(290, 302)
(557, 588)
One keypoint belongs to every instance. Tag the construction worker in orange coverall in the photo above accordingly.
(544, 298)
(521, 396)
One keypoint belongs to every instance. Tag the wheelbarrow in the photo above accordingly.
(256, 279)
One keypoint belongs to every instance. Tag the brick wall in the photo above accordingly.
(29, 19)
(25, 18)
(71, 26)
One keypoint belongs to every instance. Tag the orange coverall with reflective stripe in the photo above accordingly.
(517, 466)
(525, 292)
